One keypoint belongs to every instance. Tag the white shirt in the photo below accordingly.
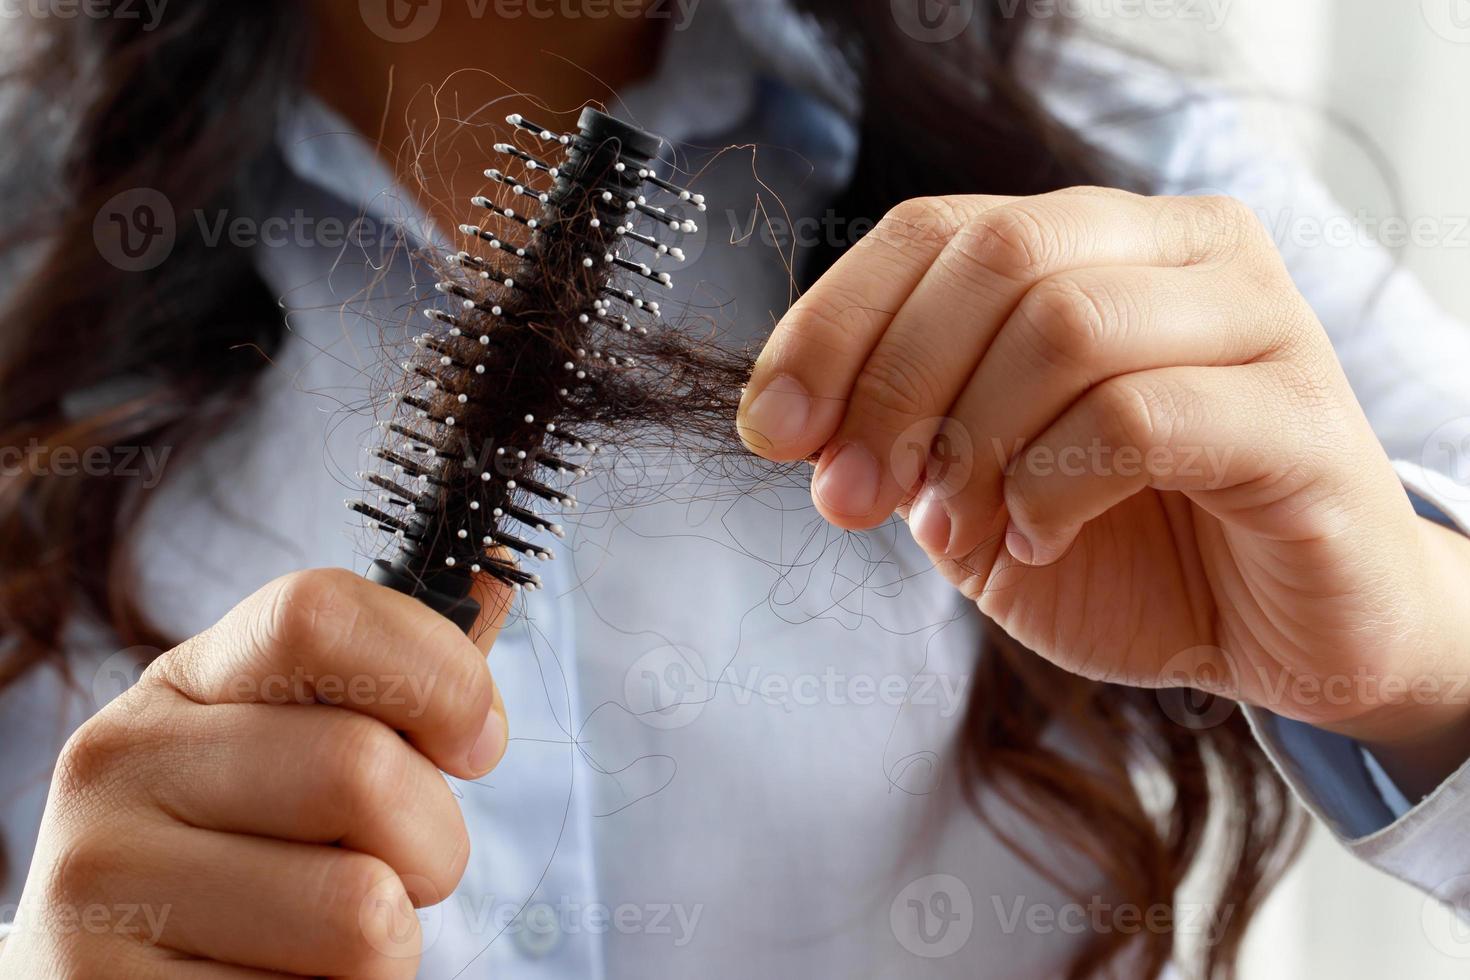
(731, 723)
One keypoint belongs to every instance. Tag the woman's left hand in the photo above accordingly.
(1114, 423)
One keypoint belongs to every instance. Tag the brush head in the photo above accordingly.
(546, 313)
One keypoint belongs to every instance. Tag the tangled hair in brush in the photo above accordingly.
(553, 351)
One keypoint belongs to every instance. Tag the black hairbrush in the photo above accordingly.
(538, 360)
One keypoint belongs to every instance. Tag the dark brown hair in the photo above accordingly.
(93, 356)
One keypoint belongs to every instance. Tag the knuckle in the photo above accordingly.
(1068, 324)
(1132, 414)
(1239, 226)
(366, 763)
(1012, 243)
(1101, 191)
(95, 757)
(307, 609)
(462, 692)
(1230, 209)
(363, 905)
(822, 324)
(1311, 392)
(926, 221)
(895, 387)
(82, 869)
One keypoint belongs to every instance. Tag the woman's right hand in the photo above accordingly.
(267, 800)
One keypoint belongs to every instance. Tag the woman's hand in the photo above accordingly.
(250, 805)
(1113, 422)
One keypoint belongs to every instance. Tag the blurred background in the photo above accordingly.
(1398, 72)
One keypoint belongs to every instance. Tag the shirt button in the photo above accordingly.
(539, 933)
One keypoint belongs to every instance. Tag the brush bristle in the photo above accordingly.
(545, 316)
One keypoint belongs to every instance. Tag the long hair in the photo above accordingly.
(95, 356)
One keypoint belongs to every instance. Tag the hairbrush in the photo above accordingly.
(538, 358)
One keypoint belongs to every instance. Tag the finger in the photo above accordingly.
(495, 602)
(311, 774)
(1068, 333)
(939, 335)
(270, 905)
(315, 635)
(789, 406)
(1234, 439)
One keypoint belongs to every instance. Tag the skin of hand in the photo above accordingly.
(268, 799)
(1114, 423)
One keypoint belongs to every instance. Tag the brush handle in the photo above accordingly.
(461, 610)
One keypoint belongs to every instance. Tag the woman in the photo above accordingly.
(1143, 453)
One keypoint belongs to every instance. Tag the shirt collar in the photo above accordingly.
(707, 80)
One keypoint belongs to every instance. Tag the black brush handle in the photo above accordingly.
(449, 595)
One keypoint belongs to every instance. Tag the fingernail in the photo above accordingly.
(779, 414)
(1019, 545)
(929, 522)
(849, 483)
(490, 745)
